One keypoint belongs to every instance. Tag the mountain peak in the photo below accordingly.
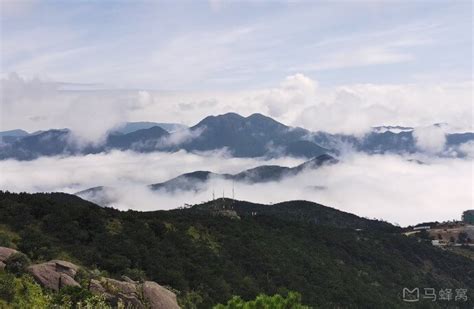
(228, 117)
(258, 116)
(233, 117)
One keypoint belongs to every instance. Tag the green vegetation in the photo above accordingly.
(292, 301)
(23, 292)
(333, 259)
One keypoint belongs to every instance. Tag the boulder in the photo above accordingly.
(5, 253)
(54, 274)
(134, 294)
(159, 297)
(65, 267)
(95, 287)
(119, 286)
(115, 290)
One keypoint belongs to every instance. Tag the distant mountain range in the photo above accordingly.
(130, 127)
(12, 135)
(253, 136)
(197, 180)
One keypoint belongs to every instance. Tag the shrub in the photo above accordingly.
(292, 301)
(17, 263)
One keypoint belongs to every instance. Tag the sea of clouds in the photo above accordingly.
(400, 189)
(396, 188)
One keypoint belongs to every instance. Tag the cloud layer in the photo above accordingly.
(395, 188)
(430, 139)
(297, 101)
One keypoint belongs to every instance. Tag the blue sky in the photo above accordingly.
(235, 45)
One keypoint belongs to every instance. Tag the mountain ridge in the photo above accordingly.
(196, 181)
(254, 136)
(242, 248)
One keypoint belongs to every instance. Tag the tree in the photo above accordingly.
(17, 263)
(291, 301)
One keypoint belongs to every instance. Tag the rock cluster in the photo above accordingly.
(57, 274)
(134, 294)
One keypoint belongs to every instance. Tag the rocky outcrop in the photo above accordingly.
(159, 297)
(134, 294)
(55, 274)
(5, 253)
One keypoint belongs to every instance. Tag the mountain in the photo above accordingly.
(394, 129)
(197, 181)
(252, 136)
(62, 142)
(388, 139)
(456, 139)
(12, 135)
(209, 252)
(47, 143)
(130, 127)
(194, 181)
(143, 140)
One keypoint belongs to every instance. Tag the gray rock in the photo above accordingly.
(54, 274)
(134, 294)
(159, 297)
(65, 267)
(115, 291)
(119, 286)
(5, 253)
(95, 287)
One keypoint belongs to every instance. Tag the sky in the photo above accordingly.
(375, 62)
(218, 44)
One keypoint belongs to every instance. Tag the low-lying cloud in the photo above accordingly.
(34, 104)
(430, 139)
(297, 101)
(391, 187)
(181, 137)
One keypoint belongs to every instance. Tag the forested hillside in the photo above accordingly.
(211, 252)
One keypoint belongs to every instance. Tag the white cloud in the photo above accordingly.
(297, 101)
(358, 57)
(180, 137)
(431, 139)
(75, 173)
(467, 149)
(382, 186)
(293, 93)
(35, 104)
